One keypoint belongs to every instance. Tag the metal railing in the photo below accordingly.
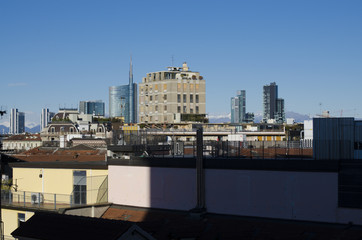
(49, 201)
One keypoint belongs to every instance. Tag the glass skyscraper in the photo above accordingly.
(17, 121)
(123, 100)
(92, 107)
(238, 109)
(273, 106)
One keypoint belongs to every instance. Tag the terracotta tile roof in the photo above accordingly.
(40, 154)
(23, 137)
(167, 224)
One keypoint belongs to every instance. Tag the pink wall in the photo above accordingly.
(274, 194)
(310, 196)
(169, 188)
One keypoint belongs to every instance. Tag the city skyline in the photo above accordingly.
(58, 54)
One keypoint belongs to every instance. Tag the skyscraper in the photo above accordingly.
(92, 107)
(176, 95)
(123, 100)
(45, 118)
(238, 109)
(273, 106)
(17, 121)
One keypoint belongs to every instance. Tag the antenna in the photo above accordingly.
(2, 112)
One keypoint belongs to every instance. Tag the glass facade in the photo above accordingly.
(92, 107)
(238, 107)
(120, 104)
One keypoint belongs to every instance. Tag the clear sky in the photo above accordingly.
(57, 53)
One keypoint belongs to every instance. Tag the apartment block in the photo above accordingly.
(175, 95)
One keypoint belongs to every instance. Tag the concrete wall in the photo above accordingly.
(295, 195)
(168, 188)
(274, 194)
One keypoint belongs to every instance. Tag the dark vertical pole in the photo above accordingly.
(200, 173)
(1, 180)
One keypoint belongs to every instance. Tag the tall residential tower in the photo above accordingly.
(45, 118)
(17, 121)
(172, 96)
(273, 106)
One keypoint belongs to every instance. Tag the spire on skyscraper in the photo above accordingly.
(130, 72)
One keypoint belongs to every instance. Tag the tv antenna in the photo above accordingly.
(2, 112)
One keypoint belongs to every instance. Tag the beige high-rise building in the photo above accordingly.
(173, 96)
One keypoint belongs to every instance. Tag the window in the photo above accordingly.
(80, 187)
(197, 98)
(156, 108)
(21, 218)
(165, 97)
(197, 87)
(150, 98)
(178, 86)
(178, 98)
(165, 87)
(185, 86)
(191, 87)
(184, 98)
(156, 87)
(191, 110)
(178, 109)
(184, 109)
(191, 98)
(52, 129)
(197, 109)
(165, 107)
(156, 97)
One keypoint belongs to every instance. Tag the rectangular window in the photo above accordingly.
(156, 87)
(178, 86)
(178, 98)
(197, 98)
(191, 87)
(156, 97)
(184, 109)
(191, 110)
(156, 108)
(165, 107)
(21, 218)
(197, 87)
(150, 98)
(185, 86)
(165, 87)
(191, 98)
(80, 187)
(197, 109)
(178, 109)
(184, 98)
(165, 97)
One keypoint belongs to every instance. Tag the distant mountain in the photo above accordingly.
(3, 129)
(35, 129)
(298, 118)
(225, 118)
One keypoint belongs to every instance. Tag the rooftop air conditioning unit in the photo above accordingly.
(37, 198)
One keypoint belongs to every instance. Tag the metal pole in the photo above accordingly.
(1, 180)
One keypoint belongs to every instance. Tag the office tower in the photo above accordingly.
(45, 118)
(92, 107)
(273, 106)
(123, 100)
(175, 95)
(17, 121)
(238, 109)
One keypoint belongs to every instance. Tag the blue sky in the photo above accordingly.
(57, 53)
